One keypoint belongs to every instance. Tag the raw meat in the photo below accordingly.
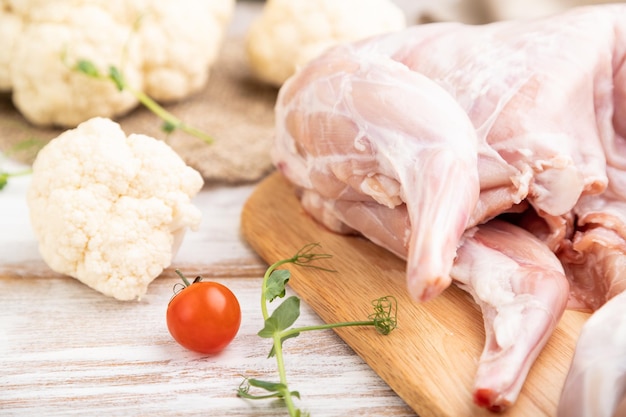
(522, 291)
(595, 384)
(419, 139)
(514, 80)
(352, 123)
(353, 127)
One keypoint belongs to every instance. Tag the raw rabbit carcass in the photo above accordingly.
(375, 136)
(364, 120)
(354, 127)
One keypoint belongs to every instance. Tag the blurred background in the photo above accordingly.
(484, 11)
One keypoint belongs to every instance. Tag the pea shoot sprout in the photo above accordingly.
(278, 325)
(170, 122)
(4, 176)
(30, 144)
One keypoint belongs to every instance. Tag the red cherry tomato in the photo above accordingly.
(204, 317)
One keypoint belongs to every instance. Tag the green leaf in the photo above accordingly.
(116, 76)
(287, 313)
(88, 68)
(276, 389)
(244, 389)
(245, 394)
(168, 126)
(4, 179)
(284, 316)
(271, 326)
(282, 340)
(266, 385)
(32, 144)
(276, 284)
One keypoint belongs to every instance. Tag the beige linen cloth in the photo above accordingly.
(233, 108)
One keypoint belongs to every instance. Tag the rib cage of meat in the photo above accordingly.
(462, 147)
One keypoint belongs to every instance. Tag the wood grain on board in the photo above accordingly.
(431, 358)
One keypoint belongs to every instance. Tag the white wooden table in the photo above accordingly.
(66, 349)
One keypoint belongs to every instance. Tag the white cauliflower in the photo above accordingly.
(289, 33)
(110, 210)
(163, 48)
(10, 29)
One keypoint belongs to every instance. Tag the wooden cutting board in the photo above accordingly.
(431, 358)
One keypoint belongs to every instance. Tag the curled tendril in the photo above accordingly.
(385, 314)
(244, 387)
(178, 287)
(306, 255)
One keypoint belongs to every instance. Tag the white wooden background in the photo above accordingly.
(67, 350)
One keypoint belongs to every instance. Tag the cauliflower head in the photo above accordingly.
(163, 48)
(289, 33)
(111, 210)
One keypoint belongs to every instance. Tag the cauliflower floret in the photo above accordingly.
(179, 44)
(47, 91)
(163, 48)
(289, 33)
(10, 30)
(110, 210)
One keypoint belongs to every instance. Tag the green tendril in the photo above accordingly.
(5, 176)
(385, 313)
(31, 144)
